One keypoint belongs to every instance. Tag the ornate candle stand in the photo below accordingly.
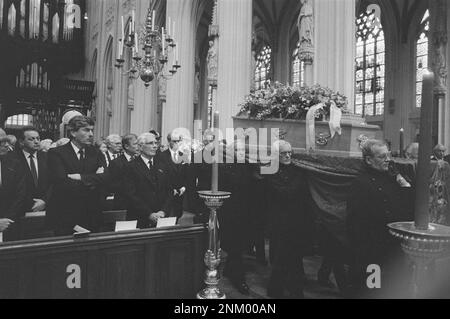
(423, 247)
(213, 200)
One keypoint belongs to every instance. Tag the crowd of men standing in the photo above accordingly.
(73, 181)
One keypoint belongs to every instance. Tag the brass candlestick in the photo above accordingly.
(213, 200)
(423, 247)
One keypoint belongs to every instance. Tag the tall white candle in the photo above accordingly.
(176, 54)
(132, 21)
(123, 29)
(173, 31)
(153, 20)
(119, 49)
(163, 40)
(136, 42)
(168, 28)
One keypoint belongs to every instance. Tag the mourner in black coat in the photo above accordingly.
(12, 192)
(290, 225)
(77, 177)
(147, 185)
(177, 171)
(35, 165)
(117, 169)
(377, 198)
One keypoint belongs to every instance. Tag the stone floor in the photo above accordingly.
(258, 276)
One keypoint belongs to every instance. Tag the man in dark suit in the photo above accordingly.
(376, 199)
(12, 191)
(147, 185)
(117, 170)
(290, 225)
(114, 148)
(34, 164)
(77, 176)
(177, 170)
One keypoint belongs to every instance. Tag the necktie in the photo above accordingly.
(81, 152)
(33, 170)
(150, 165)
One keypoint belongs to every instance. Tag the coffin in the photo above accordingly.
(294, 131)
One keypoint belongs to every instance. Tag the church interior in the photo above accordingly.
(327, 75)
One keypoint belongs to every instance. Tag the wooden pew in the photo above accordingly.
(155, 263)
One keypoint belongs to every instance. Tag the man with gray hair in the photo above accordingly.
(438, 152)
(117, 169)
(114, 145)
(147, 185)
(377, 198)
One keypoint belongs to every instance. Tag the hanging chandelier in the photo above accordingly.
(159, 48)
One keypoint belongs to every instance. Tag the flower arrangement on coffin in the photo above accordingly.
(285, 102)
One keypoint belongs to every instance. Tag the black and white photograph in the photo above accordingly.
(242, 151)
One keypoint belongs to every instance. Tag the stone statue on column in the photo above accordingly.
(109, 101)
(440, 42)
(213, 61)
(130, 94)
(196, 87)
(305, 25)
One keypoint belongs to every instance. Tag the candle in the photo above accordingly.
(176, 55)
(421, 217)
(123, 30)
(402, 143)
(153, 20)
(173, 31)
(215, 164)
(132, 21)
(163, 40)
(119, 49)
(136, 42)
(168, 28)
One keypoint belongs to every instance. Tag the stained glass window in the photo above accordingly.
(263, 68)
(68, 28)
(35, 14)
(1, 14)
(55, 28)
(12, 19)
(298, 68)
(19, 120)
(370, 65)
(22, 14)
(45, 19)
(422, 55)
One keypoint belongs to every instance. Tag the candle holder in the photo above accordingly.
(423, 248)
(213, 200)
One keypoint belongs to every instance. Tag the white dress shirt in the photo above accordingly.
(76, 149)
(146, 161)
(128, 157)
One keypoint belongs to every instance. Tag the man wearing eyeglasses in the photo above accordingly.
(172, 159)
(290, 225)
(147, 186)
(376, 199)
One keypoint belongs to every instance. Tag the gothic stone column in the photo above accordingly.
(179, 108)
(334, 46)
(235, 23)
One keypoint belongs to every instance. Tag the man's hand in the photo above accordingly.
(75, 177)
(39, 205)
(155, 216)
(5, 223)
(100, 170)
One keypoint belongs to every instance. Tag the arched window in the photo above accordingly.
(263, 68)
(298, 68)
(422, 55)
(45, 19)
(370, 65)
(12, 19)
(1, 14)
(68, 28)
(19, 120)
(35, 14)
(55, 28)
(23, 14)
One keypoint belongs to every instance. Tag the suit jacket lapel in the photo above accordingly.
(147, 173)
